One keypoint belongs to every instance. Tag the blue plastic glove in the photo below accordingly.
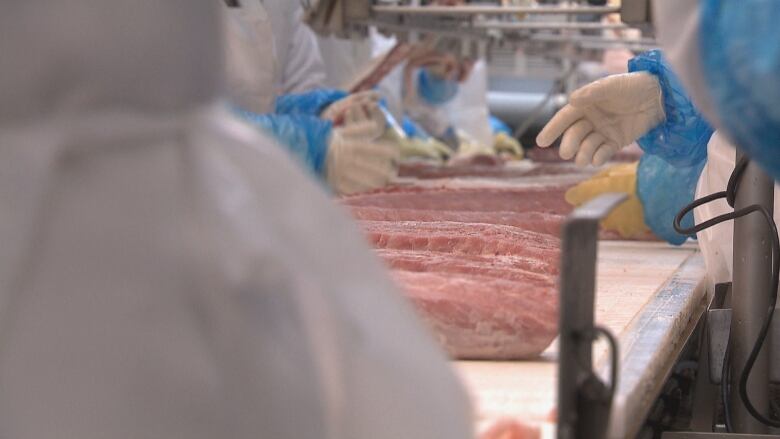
(310, 104)
(435, 91)
(681, 139)
(664, 190)
(305, 136)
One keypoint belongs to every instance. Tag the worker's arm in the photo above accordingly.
(304, 69)
(350, 151)
(649, 106)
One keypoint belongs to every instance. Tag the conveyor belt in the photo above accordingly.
(650, 295)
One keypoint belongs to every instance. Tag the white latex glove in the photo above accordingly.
(337, 111)
(360, 157)
(605, 116)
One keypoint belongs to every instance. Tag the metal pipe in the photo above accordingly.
(494, 10)
(516, 107)
(644, 42)
(552, 25)
(750, 297)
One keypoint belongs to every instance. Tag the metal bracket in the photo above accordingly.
(584, 400)
(718, 330)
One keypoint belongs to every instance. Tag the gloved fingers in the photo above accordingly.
(336, 111)
(355, 114)
(605, 152)
(362, 130)
(601, 90)
(572, 138)
(379, 152)
(559, 123)
(441, 149)
(356, 183)
(375, 113)
(589, 145)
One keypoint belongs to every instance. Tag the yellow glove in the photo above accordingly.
(506, 145)
(628, 218)
(469, 147)
(424, 148)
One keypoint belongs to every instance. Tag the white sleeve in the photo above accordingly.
(716, 243)
(468, 110)
(303, 70)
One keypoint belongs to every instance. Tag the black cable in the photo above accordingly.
(730, 194)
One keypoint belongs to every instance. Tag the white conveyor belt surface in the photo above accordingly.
(650, 295)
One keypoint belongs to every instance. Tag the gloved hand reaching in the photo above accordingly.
(605, 116)
(359, 157)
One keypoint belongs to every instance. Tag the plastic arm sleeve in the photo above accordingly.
(306, 137)
(307, 104)
(682, 138)
(664, 189)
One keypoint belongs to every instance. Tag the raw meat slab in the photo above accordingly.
(460, 238)
(549, 223)
(538, 199)
(481, 317)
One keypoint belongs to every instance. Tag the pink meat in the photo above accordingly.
(480, 317)
(461, 238)
(427, 171)
(548, 223)
(514, 268)
(540, 200)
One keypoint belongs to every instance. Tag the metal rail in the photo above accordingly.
(552, 25)
(494, 10)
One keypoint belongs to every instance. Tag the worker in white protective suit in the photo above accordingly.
(162, 273)
(444, 107)
(273, 57)
(731, 74)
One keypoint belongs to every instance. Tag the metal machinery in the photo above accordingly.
(570, 32)
(554, 36)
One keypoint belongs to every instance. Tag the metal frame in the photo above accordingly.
(515, 25)
(584, 400)
(751, 282)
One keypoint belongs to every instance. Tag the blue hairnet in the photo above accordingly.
(413, 129)
(305, 136)
(499, 126)
(311, 103)
(682, 138)
(433, 90)
(740, 58)
(664, 190)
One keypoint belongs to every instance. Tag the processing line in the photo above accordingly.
(631, 312)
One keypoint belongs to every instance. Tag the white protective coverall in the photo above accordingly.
(270, 52)
(162, 274)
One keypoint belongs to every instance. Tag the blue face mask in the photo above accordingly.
(740, 56)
